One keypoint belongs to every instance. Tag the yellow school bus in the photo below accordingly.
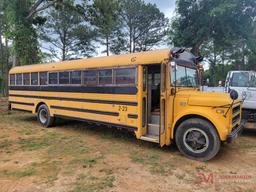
(154, 94)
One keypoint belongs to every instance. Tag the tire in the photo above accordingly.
(197, 139)
(43, 116)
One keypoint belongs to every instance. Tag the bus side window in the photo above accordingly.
(26, 78)
(53, 78)
(125, 76)
(75, 77)
(34, 78)
(19, 79)
(64, 77)
(43, 78)
(105, 77)
(90, 77)
(12, 79)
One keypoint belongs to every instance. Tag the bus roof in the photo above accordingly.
(147, 57)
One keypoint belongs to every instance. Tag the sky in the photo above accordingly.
(166, 6)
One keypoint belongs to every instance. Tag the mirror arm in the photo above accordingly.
(225, 115)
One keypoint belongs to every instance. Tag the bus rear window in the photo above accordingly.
(43, 78)
(12, 79)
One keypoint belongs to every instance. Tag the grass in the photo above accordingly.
(53, 157)
(49, 170)
(180, 176)
(144, 157)
(25, 132)
(83, 162)
(3, 136)
(246, 144)
(18, 173)
(153, 161)
(34, 143)
(93, 184)
(5, 144)
(68, 146)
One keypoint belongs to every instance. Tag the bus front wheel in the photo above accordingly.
(197, 139)
(44, 117)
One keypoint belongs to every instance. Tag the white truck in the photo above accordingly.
(244, 82)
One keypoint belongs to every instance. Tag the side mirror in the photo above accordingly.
(233, 94)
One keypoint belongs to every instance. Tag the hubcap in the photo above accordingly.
(43, 116)
(196, 140)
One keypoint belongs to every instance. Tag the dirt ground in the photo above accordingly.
(75, 156)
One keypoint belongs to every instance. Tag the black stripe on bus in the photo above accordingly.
(78, 99)
(21, 103)
(80, 89)
(23, 110)
(86, 110)
(133, 116)
(130, 128)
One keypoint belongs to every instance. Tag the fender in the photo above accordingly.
(221, 128)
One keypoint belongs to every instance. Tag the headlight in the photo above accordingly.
(220, 111)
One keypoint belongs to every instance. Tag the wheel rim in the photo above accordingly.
(196, 140)
(43, 116)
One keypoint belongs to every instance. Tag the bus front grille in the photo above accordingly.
(236, 114)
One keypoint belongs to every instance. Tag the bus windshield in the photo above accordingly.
(185, 77)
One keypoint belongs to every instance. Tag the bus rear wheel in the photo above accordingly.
(197, 139)
(44, 117)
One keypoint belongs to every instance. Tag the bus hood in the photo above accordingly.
(209, 99)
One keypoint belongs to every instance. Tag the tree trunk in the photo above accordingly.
(64, 53)
(214, 64)
(130, 39)
(223, 57)
(6, 69)
(64, 47)
(243, 57)
(2, 63)
(107, 45)
(14, 60)
(133, 41)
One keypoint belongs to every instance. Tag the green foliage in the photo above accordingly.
(66, 33)
(144, 25)
(21, 31)
(221, 30)
(104, 14)
(220, 72)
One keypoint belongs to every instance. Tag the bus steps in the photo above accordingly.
(153, 129)
(150, 138)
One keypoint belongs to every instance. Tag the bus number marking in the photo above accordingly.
(122, 108)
